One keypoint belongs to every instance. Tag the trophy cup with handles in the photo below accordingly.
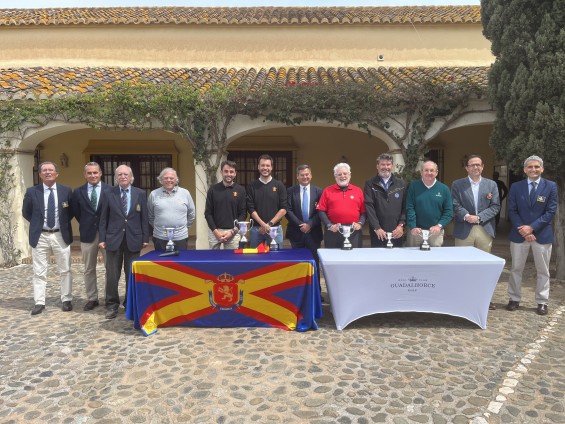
(170, 247)
(273, 234)
(346, 231)
(425, 236)
(244, 227)
(389, 244)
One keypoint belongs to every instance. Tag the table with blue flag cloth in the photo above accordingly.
(217, 288)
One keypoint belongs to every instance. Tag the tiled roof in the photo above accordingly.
(241, 15)
(31, 83)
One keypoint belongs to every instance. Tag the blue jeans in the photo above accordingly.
(255, 238)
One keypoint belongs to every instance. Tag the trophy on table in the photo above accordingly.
(346, 231)
(170, 247)
(425, 245)
(243, 229)
(273, 234)
(389, 244)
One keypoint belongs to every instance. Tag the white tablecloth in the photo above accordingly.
(456, 281)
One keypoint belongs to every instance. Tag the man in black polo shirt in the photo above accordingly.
(266, 203)
(225, 203)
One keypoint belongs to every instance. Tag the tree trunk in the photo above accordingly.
(559, 227)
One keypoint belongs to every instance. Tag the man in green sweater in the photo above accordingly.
(428, 207)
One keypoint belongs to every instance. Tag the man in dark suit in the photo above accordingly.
(123, 232)
(476, 203)
(87, 202)
(47, 207)
(532, 204)
(385, 201)
(304, 226)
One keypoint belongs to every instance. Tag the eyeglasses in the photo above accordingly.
(475, 165)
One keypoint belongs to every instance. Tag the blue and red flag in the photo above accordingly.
(211, 288)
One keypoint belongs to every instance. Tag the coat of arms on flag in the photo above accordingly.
(225, 294)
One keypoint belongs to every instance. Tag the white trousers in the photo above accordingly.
(51, 242)
(89, 253)
(542, 255)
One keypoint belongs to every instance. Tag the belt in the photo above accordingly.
(50, 231)
(477, 223)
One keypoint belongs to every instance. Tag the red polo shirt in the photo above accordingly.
(343, 207)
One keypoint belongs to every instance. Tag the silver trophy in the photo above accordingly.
(425, 236)
(273, 234)
(346, 231)
(389, 244)
(243, 229)
(170, 235)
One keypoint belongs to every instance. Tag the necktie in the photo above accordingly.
(385, 185)
(533, 192)
(51, 209)
(305, 204)
(125, 201)
(93, 198)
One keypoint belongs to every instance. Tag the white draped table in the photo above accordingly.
(457, 281)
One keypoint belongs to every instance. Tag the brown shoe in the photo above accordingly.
(541, 310)
(491, 306)
(512, 305)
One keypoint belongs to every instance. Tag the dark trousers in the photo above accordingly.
(375, 242)
(309, 244)
(161, 245)
(115, 260)
(335, 240)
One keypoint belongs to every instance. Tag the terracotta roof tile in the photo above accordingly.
(241, 15)
(24, 83)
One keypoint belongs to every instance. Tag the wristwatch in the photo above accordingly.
(270, 223)
(440, 226)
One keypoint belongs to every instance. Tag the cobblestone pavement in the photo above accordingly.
(77, 367)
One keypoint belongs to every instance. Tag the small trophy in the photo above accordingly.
(170, 235)
(273, 233)
(425, 245)
(243, 229)
(389, 244)
(346, 231)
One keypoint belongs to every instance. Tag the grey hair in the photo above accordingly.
(164, 171)
(116, 173)
(342, 165)
(92, 164)
(533, 157)
(385, 157)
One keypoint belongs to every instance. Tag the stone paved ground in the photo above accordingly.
(397, 368)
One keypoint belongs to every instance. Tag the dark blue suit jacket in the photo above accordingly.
(115, 225)
(87, 217)
(538, 215)
(33, 210)
(294, 214)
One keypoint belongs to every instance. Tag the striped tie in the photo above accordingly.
(94, 198)
(51, 209)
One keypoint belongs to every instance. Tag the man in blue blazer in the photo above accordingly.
(532, 204)
(47, 208)
(123, 232)
(304, 227)
(87, 203)
(476, 203)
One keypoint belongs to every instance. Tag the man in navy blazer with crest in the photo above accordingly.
(532, 204)
(88, 201)
(304, 231)
(49, 231)
(123, 232)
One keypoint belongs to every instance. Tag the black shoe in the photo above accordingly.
(67, 306)
(37, 309)
(512, 305)
(111, 313)
(90, 305)
(541, 310)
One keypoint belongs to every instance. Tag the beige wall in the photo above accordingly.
(74, 143)
(245, 46)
